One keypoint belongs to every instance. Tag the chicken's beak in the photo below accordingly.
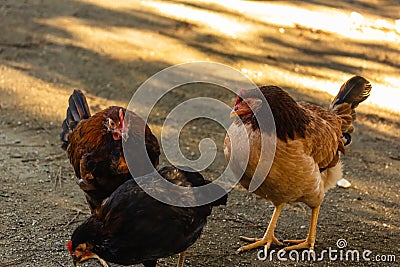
(239, 109)
(236, 112)
(124, 135)
(121, 133)
(250, 105)
(233, 113)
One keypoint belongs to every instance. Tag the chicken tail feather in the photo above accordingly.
(78, 110)
(351, 94)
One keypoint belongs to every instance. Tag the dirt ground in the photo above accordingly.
(49, 47)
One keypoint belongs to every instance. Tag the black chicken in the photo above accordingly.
(131, 227)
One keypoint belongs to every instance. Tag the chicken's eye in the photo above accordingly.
(111, 123)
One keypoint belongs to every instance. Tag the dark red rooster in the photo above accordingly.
(94, 147)
(306, 161)
(131, 227)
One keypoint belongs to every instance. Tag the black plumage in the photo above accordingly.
(132, 227)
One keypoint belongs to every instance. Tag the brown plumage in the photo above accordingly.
(306, 161)
(94, 146)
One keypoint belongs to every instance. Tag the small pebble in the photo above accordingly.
(343, 183)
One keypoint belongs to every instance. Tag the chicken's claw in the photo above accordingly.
(249, 239)
(255, 239)
(299, 244)
(295, 241)
(258, 242)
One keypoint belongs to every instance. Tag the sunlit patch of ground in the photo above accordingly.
(239, 33)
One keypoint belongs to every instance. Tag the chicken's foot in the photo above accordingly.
(309, 242)
(268, 237)
(255, 239)
(295, 241)
(181, 259)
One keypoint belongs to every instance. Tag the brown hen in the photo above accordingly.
(308, 141)
(94, 147)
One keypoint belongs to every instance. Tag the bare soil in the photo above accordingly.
(49, 47)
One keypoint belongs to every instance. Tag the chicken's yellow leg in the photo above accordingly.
(268, 237)
(312, 232)
(181, 259)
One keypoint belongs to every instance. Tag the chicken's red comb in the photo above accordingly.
(69, 247)
(240, 93)
(121, 115)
